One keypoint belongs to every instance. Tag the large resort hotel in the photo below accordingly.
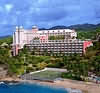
(52, 42)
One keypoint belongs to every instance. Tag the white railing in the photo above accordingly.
(50, 69)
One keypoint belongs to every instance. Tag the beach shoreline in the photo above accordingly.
(85, 87)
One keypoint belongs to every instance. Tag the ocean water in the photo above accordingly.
(29, 88)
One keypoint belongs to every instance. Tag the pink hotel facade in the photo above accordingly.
(61, 41)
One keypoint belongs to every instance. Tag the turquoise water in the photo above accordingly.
(29, 88)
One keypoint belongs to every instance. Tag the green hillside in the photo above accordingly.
(77, 66)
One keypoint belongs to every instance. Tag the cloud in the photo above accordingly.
(8, 7)
(56, 3)
(47, 13)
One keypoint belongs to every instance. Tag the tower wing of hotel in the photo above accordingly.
(56, 42)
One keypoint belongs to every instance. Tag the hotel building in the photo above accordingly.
(52, 42)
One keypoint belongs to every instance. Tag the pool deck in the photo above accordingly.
(86, 87)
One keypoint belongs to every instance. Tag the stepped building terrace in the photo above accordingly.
(52, 42)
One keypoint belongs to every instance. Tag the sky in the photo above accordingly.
(46, 13)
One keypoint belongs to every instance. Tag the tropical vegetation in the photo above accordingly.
(78, 66)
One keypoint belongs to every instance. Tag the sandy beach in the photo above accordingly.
(86, 87)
